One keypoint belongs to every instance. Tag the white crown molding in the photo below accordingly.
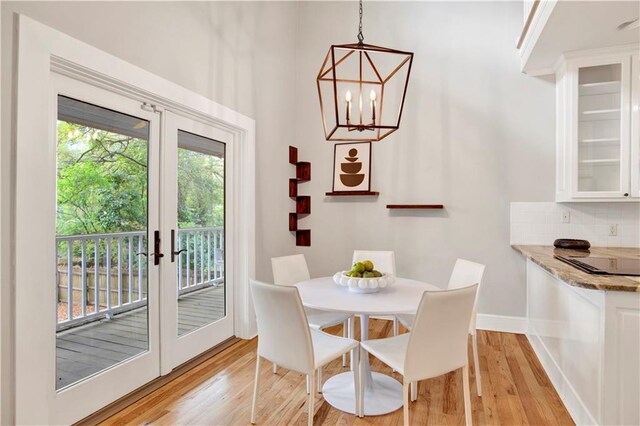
(599, 53)
(603, 51)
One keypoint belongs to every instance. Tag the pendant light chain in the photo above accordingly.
(360, 36)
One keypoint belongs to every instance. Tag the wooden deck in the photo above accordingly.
(90, 348)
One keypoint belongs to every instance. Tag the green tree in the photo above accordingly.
(200, 190)
(102, 183)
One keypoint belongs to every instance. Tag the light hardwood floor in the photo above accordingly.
(516, 391)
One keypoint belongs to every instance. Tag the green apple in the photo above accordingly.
(358, 267)
(368, 265)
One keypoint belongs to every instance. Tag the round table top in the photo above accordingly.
(403, 297)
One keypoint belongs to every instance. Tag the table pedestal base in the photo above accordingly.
(382, 396)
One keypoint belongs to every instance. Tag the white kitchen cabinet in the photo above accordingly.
(635, 125)
(598, 137)
(588, 343)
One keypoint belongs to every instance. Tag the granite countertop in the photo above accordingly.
(543, 256)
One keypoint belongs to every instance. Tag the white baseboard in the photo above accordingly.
(572, 401)
(502, 323)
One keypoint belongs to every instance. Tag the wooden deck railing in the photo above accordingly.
(100, 275)
(202, 262)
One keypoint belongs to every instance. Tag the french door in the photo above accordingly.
(128, 265)
(197, 309)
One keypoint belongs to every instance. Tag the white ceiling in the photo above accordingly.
(577, 25)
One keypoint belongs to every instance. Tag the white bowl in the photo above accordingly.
(363, 285)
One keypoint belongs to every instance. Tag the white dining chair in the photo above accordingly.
(384, 261)
(290, 270)
(464, 274)
(285, 339)
(436, 345)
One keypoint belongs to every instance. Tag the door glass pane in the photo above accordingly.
(101, 231)
(200, 237)
(599, 108)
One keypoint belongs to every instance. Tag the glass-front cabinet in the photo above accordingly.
(601, 129)
(598, 139)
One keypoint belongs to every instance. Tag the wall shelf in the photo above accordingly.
(293, 221)
(352, 193)
(415, 206)
(303, 205)
(303, 237)
(303, 171)
(303, 202)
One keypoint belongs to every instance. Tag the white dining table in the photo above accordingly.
(383, 394)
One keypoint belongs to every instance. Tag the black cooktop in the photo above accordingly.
(604, 265)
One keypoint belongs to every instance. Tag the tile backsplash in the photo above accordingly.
(541, 223)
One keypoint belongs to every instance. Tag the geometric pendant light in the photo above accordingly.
(362, 89)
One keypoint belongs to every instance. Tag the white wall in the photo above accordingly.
(476, 134)
(237, 54)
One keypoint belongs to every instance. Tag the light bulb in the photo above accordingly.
(347, 98)
(372, 96)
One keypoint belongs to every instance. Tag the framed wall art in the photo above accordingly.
(352, 167)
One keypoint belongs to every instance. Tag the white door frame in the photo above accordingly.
(43, 50)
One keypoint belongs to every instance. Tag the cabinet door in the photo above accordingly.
(635, 126)
(602, 129)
